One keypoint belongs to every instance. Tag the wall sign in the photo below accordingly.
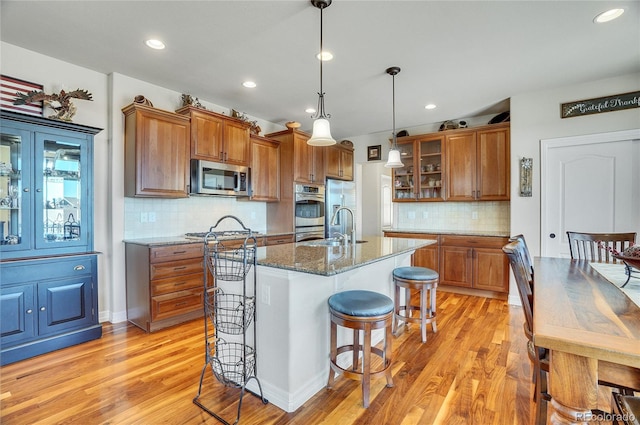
(598, 105)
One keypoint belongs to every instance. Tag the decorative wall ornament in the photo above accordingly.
(526, 176)
(141, 100)
(188, 100)
(597, 105)
(60, 102)
(255, 128)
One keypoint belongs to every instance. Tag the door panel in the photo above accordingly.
(589, 184)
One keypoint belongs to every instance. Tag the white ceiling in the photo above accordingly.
(468, 57)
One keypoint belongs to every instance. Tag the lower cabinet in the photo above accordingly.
(165, 284)
(474, 262)
(466, 261)
(47, 304)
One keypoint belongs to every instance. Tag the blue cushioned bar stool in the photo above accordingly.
(421, 279)
(361, 311)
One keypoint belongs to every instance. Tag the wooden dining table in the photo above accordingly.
(584, 321)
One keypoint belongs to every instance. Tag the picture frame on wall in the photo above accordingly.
(374, 153)
(9, 86)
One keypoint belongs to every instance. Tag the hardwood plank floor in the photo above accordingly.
(474, 370)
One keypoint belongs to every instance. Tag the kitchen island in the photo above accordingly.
(294, 282)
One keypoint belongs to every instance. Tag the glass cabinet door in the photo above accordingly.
(61, 191)
(14, 189)
(403, 178)
(429, 173)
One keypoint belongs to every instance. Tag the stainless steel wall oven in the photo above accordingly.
(309, 212)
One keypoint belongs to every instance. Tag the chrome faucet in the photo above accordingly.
(353, 220)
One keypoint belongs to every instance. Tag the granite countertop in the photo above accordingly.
(493, 233)
(327, 261)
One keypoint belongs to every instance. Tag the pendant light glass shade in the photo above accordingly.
(321, 134)
(394, 159)
(394, 154)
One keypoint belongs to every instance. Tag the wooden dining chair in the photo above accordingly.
(584, 246)
(520, 262)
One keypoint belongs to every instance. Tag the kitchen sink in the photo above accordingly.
(326, 242)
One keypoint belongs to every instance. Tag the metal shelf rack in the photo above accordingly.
(229, 312)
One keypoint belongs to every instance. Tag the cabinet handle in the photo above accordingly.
(179, 252)
(180, 268)
(180, 304)
(179, 283)
(43, 308)
(29, 311)
(78, 267)
(26, 189)
(38, 190)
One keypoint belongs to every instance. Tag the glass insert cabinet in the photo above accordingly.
(421, 176)
(48, 269)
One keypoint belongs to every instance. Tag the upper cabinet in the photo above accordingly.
(421, 176)
(308, 161)
(455, 165)
(477, 164)
(338, 162)
(156, 153)
(265, 169)
(46, 187)
(216, 137)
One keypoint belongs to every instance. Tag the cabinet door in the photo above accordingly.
(302, 159)
(63, 191)
(16, 189)
(491, 269)
(332, 162)
(206, 137)
(162, 155)
(317, 164)
(265, 170)
(460, 156)
(493, 164)
(403, 178)
(426, 257)
(456, 267)
(236, 143)
(17, 314)
(65, 304)
(346, 163)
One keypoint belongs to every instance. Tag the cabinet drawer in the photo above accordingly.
(177, 303)
(17, 271)
(175, 252)
(175, 268)
(178, 283)
(473, 241)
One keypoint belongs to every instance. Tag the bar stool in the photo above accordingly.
(421, 279)
(361, 311)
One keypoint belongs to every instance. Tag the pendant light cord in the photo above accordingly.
(320, 112)
(393, 85)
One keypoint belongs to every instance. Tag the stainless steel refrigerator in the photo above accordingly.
(338, 194)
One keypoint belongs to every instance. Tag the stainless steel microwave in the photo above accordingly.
(214, 178)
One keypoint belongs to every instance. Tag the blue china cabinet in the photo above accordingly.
(48, 268)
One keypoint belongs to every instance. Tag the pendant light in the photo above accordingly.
(321, 135)
(394, 154)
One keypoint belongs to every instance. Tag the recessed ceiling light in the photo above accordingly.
(324, 56)
(607, 16)
(430, 106)
(155, 44)
(310, 111)
(249, 84)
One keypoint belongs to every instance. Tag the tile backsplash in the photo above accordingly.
(148, 218)
(475, 216)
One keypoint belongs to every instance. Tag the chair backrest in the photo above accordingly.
(584, 246)
(515, 251)
(526, 256)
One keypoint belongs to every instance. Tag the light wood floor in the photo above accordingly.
(475, 370)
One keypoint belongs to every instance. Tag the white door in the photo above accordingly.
(589, 184)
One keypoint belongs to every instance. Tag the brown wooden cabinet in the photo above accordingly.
(216, 137)
(265, 169)
(420, 179)
(164, 284)
(427, 256)
(156, 162)
(308, 161)
(477, 165)
(474, 262)
(338, 161)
